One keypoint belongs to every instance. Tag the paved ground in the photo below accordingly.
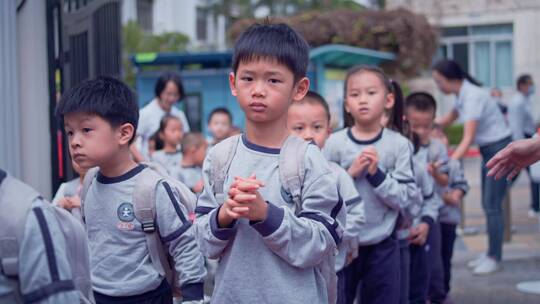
(521, 259)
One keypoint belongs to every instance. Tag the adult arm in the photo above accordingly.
(469, 132)
(516, 156)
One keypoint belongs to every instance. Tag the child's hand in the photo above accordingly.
(70, 202)
(245, 192)
(418, 235)
(371, 154)
(358, 166)
(453, 197)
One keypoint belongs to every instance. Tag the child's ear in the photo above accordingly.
(232, 84)
(125, 133)
(390, 100)
(300, 89)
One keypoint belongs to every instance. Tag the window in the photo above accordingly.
(484, 51)
(202, 16)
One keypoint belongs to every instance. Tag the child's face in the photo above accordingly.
(265, 88)
(93, 141)
(420, 122)
(173, 133)
(169, 96)
(220, 125)
(310, 122)
(200, 154)
(367, 98)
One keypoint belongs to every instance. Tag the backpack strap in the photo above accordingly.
(292, 168)
(222, 156)
(144, 203)
(16, 201)
(88, 179)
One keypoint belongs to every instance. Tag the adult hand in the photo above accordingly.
(516, 156)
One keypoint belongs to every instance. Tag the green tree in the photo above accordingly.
(135, 40)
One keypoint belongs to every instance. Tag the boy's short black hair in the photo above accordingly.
(421, 101)
(523, 79)
(273, 41)
(106, 97)
(316, 98)
(220, 110)
(162, 81)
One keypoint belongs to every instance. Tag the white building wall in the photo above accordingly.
(523, 14)
(175, 16)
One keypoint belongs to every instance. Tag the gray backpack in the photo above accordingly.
(144, 204)
(16, 200)
(291, 174)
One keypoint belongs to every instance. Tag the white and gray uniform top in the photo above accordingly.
(475, 104)
(435, 152)
(276, 260)
(169, 161)
(355, 213)
(149, 118)
(190, 176)
(67, 189)
(45, 275)
(384, 193)
(119, 257)
(520, 117)
(449, 214)
(424, 207)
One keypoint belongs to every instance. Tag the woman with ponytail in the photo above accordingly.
(484, 125)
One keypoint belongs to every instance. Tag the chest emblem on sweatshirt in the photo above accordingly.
(125, 212)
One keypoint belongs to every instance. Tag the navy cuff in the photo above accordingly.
(192, 292)
(273, 220)
(376, 179)
(221, 233)
(428, 220)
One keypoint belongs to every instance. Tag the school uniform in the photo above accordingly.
(120, 261)
(169, 161)
(449, 218)
(279, 259)
(384, 194)
(149, 119)
(523, 125)
(492, 135)
(190, 176)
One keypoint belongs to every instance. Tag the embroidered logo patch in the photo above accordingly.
(286, 196)
(125, 212)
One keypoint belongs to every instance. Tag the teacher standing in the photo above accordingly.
(484, 125)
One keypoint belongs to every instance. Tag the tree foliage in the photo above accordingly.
(400, 31)
(135, 40)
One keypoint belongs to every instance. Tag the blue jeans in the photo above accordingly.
(493, 192)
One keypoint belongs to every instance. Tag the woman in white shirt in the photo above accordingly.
(484, 125)
(168, 91)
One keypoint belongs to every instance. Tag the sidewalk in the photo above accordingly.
(521, 257)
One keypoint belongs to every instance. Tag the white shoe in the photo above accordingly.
(532, 214)
(488, 266)
(474, 263)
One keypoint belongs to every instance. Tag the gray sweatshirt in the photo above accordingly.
(386, 192)
(119, 257)
(276, 260)
(452, 214)
(190, 176)
(169, 161)
(43, 242)
(355, 213)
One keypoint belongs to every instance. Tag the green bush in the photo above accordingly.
(454, 133)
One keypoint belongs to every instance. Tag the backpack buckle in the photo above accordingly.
(148, 227)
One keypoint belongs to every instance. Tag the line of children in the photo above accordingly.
(379, 160)
(271, 250)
